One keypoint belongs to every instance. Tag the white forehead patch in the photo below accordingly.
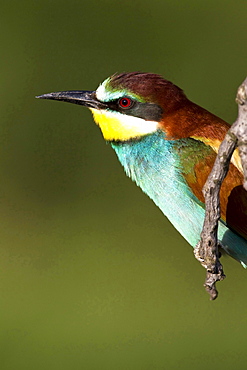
(103, 95)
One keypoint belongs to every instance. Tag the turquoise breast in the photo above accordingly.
(154, 164)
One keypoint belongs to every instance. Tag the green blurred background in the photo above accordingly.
(92, 275)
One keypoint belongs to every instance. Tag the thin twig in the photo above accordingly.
(206, 251)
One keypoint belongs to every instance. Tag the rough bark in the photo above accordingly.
(207, 250)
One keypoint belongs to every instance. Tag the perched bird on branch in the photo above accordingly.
(167, 145)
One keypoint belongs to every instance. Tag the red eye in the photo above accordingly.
(125, 102)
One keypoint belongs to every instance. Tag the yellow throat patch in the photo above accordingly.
(123, 127)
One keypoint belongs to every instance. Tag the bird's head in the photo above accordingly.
(128, 105)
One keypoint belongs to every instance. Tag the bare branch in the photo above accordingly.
(206, 251)
(239, 128)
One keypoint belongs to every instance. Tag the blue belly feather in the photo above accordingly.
(154, 165)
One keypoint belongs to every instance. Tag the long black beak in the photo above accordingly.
(85, 98)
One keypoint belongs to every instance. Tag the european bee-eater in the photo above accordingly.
(167, 145)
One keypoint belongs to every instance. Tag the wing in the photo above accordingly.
(215, 144)
(204, 132)
(199, 124)
(196, 161)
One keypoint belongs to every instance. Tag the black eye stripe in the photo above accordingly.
(146, 111)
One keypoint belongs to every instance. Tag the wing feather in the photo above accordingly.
(215, 144)
(233, 197)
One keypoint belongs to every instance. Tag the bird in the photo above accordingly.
(167, 145)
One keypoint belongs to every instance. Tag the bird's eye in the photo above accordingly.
(125, 102)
